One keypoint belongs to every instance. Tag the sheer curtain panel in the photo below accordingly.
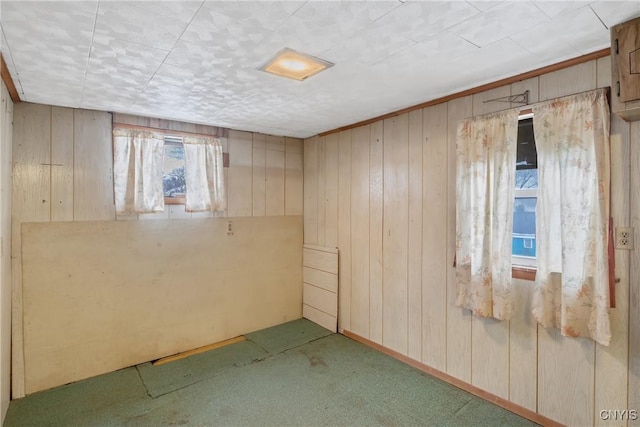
(137, 171)
(572, 281)
(204, 174)
(485, 185)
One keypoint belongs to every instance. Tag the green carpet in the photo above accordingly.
(323, 379)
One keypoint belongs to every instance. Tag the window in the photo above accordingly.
(524, 208)
(173, 181)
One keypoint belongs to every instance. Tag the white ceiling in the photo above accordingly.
(197, 61)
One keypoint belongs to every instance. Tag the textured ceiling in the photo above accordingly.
(197, 61)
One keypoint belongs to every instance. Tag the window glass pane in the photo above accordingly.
(524, 227)
(173, 173)
(527, 156)
(526, 178)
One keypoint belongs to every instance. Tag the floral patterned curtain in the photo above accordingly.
(137, 171)
(571, 290)
(485, 184)
(204, 174)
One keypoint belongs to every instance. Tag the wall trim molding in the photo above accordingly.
(8, 81)
(503, 82)
(489, 397)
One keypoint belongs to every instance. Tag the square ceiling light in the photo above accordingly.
(295, 65)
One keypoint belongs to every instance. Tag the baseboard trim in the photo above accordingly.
(503, 403)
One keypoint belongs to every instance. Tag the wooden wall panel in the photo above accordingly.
(6, 145)
(93, 166)
(331, 191)
(434, 237)
(311, 199)
(376, 194)
(396, 233)
(576, 79)
(344, 230)
(360, 231)
(62, 163)
(239, 180)
(320, 303)
(68, 277)
(322, 200)
(259, 167)
(458, 319)
(414, 250)
(293, 179)
(274, 184)
(634, 272)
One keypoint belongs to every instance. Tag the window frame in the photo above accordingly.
(174, 140)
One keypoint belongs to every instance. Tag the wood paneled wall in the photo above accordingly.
(6, 128)
(384, 194)
(62, 171)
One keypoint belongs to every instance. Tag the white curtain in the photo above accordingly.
(572, 281)
(137, 171)
(485, 184)
(204, 174)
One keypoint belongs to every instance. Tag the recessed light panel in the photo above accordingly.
(295, 65)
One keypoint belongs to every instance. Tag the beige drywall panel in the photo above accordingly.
(150, 289)
(6, 143)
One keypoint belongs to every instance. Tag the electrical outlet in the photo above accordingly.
(624, 238)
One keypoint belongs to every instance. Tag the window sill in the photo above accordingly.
(523, 273)
(174, 201)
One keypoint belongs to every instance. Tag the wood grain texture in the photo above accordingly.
(414, 250)
(68, 277)
(259, 167)
(320, 299)
(576, 79)
(321, 318)
(320, 260)
(331, 190)
(344, 229)
(434, 237)
(239, 178)
(274, 182)
(321, 279)
(458, 319)
(627, 36)
(310, 183)
(6, 149)
(483, 104)
(396, 233)
(360, 231)
(62, 163)
(93, 166)
(376, 194)
(293, 179)
(634, 272)
(611, 363)
(322, 185)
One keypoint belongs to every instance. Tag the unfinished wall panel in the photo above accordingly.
(62, 159)
(319, 295)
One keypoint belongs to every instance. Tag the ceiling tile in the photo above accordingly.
(265, 14)
(499, 22)
(182, 10)
(368, 47)
(554, 8)
(616, 12)
(420, 20)
(125, 21)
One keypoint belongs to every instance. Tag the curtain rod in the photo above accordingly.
(165, 131)
(519, 98)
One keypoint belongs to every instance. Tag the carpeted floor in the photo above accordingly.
(296, 374)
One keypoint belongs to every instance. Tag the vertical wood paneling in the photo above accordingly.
(523, 329)
(634, 273)
(376, 193)
(311, 190)
(458, 319)
(62, 164)
(93, 166)
(396, 230)
(31, 202)
(293, 178)
(490, 337)
(578, 78)
(239, 177)
(259, 166)
(344, 230)
(414, 274)
(611, 362)
(322, 201)
(434, 237)
(274, 185)
(331, 190)
(360, 231)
